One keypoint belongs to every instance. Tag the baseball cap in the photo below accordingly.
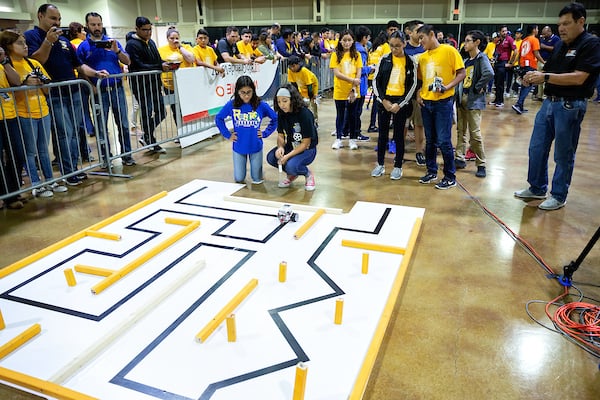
(519, 30)
(494, 35)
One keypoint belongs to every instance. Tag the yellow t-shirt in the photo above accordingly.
(348, 67)
(7, 105)
(442, 62)
(30, 103)
(490, 49)
(385, 49)
(206, 54)
(303, 78)
(518, 50)
(395, 85)
(246, 49)
(330, 44)
(173, 55)
(374, 57)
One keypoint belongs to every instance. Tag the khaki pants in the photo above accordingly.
(469, 120)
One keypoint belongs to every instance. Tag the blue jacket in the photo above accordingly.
(366, 69)
(246, 123)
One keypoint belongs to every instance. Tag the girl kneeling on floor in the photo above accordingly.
(297, 139)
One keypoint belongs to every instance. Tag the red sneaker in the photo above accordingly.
(470, 156)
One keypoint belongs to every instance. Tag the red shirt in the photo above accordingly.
(505, 47)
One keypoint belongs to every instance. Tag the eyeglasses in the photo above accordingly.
(246, 92)
(395, 47)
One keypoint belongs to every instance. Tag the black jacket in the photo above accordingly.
(382, 78)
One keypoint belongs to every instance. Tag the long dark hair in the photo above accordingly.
(245, 81)
(296, 101)
(381, 38)
(339, 50)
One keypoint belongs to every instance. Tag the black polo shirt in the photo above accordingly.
(581, 55)
(224, 46)
(62, 59)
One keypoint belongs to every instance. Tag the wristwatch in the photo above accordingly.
(5, 61)
(546, 77)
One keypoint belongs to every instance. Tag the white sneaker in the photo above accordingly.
(333, 133)
(56, 187)
(396, 174)
(42, 191)
(337, 144)
(378, 171)
(353, 145)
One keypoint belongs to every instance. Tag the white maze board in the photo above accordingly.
(137, 338)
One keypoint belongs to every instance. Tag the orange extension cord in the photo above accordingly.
(578, 321)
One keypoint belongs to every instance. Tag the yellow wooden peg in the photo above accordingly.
(300, 381)
(282, 271)
(231, 329)
(71, 281)
(365, 263)
(339, 310)
(19, 340)
(2, 324)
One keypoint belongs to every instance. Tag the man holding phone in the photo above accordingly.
(101, 52)
(47, 44)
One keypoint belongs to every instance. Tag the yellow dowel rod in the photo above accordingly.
(75, 237)
(88, 269)
(300, 381)
(282, 271)
(339, 310)
(71, 281)
(365, 263)
(19, 340)
(179, 221)
(109, 280)
(41, 386)
(302, 230)
(103, 235)
(231, 329)
(2, 324)
(228, 309)
(373, 246)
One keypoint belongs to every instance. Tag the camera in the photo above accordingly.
(437, 85)
(37, 72)
(103, 44)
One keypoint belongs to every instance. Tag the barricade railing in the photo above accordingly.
(48, 130)
(144, 115)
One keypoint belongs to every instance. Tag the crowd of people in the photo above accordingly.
(417, 78)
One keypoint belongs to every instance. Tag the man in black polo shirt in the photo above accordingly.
(227, 50)
(569, 74)
(54, 51)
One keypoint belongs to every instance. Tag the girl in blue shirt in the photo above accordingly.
(247, 111)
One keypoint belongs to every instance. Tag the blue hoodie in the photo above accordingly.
(246, 123)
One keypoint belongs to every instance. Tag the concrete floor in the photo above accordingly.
(460, 328)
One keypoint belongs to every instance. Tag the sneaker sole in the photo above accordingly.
(552, 208)
(445, 187)
(533, 196)
(427, 182)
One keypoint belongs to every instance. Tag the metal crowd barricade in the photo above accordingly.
(64, 144)
(319, 66)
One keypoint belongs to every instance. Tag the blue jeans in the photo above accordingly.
(524, 89)
(14, 157)
(36, 136)
(297, 165)
(67, 116)
(558, 121)
(240, 162)
(437, 122)
(113, 98)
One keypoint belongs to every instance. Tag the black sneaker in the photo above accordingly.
(372, 129)
(480, 172)
(142, 142)
(128, 161)
(429, 178)
(73, 181)
(82, 176)
(420, 159)
(158, 149)
(446, 184)
(460, 164)
(363, 138)
(518, 109)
